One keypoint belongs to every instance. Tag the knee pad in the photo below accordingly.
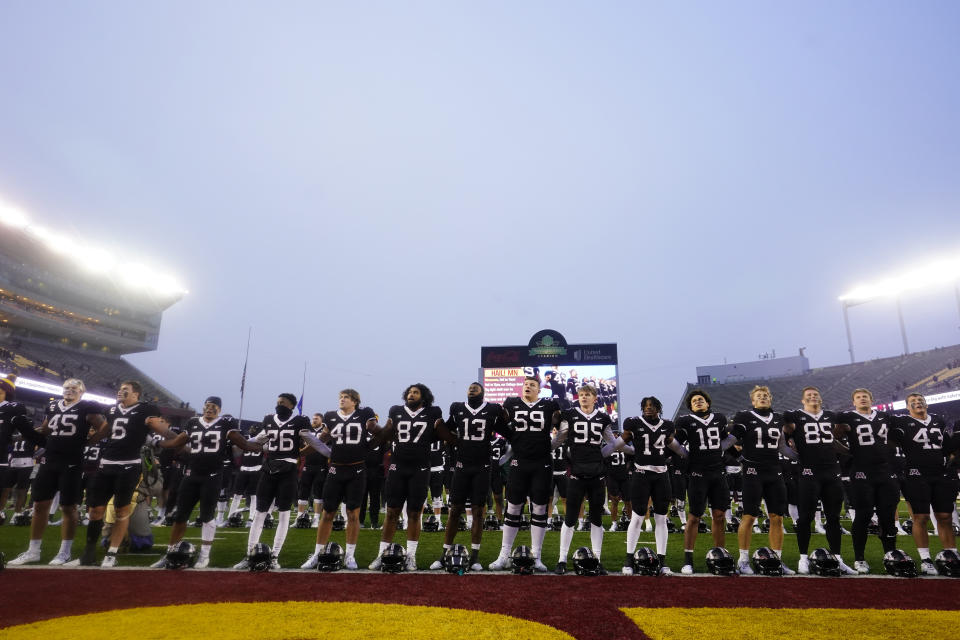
(514, 509)
(538, 510)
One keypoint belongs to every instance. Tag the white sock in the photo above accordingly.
(383, 547)
(633, 532)
(509, 535)
(204, 551)
(412, 547)
(793, 512)
(596, 540)
(803, 556)
(235, 504)
(253, 506)
(566, 538)
(162, 512)
(536, 540)
(660, 533)
(351, 549)
(221, 507)
(65, 547)
(317, 548)
(924, 553)
(728, 515)
(745, 555)
(256, 528)
(283, 525)
(35, 544)
(207, 532)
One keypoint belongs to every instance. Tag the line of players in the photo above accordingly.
(534, 427)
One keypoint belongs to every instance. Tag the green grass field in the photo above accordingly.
(229, 546)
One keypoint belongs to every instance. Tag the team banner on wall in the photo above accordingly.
(561, 367)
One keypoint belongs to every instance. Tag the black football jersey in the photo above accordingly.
(413, 434)
(759, 436)
(649, 441)
(128, 432)
(498, 447)
(475, 429)
(438, 455)
(561, 459)
(618, 463)
(349, 438)
(702, 437)
(68, 430)
(586, 435)
(813, 438)
(207, 444)
(92, 453)
(313, 458)
(922, 442)
(8, 413)
(529, 427)
(22, 448)
(249, 459)
(868, 440)
(285, 442)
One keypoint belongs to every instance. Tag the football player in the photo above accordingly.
(347, 433)
(811, 429)
(704, 434)
(313, 474)
(760, 434)
(588, 432)
(66, 426)
(618, 482)
(15, 472)
(125, 431)
(874, 484)
(651, 437)
(529, 422)
(498, 474)
(413, 427)
(245, 483)
(927, 445)
(209, 439)
(475, 423)
(280, 434)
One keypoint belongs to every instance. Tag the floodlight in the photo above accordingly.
(13, 217)
(939, 272)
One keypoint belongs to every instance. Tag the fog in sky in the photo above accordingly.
(380, 188)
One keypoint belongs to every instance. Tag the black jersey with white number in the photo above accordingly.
(68, 430)
(207, 444)
(498, 447)
(759, 436)
(702, 437)
(529, 426)
(561, 459)
(618, 463)
(250, 459)
(868, 440)
(349, 438)
(925, 443)
(281, 451)
(22, 448)
(813, 438)
(413, 434)
(474, 429)
(586, 435)
(649, 441)
(128, 432)
(312, 458)
(9, 413)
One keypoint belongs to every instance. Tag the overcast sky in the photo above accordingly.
(380, 188)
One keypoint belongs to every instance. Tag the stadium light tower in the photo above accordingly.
(945, 271)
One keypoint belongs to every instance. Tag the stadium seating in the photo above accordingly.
(890, 379)
(102, 373)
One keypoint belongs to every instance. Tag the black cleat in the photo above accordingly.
(561, 568)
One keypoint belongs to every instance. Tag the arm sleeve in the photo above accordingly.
(561, 436)
(507, 454)
(786, 450)
(677, 448)
(314, 442)
(611, 442)
(728, 442)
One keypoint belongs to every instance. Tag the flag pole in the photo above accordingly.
(303, 387)
(243, 378)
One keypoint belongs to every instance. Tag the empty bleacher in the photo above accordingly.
(890, 379)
